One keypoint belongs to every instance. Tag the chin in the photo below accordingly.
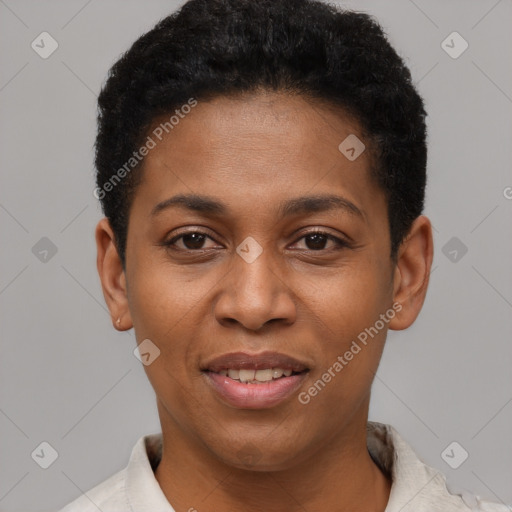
(258, 455)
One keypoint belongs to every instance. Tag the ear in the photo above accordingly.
(112, 276)
(412, 273)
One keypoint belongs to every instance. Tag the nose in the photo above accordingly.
(255, 294)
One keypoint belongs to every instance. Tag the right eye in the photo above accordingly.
(190, 241)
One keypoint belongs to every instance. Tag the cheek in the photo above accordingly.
(338, 388)
(160, 311)
(349, 313)
(174, 391)
(352, 299)
(159, 300)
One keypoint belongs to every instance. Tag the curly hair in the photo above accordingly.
(212, 48)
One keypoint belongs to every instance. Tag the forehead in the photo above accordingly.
(256, 149)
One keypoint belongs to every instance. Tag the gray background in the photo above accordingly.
(68, 378)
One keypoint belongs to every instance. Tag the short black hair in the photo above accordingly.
(212, 48)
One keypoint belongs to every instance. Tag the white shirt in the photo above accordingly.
(415, 487)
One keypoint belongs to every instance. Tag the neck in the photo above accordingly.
(341, 476)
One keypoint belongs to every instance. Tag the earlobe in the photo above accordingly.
(412, 272)
(112, 276)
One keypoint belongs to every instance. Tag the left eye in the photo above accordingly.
(317, 240)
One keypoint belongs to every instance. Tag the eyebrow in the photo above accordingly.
(299, 205)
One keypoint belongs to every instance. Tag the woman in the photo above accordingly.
(262, 167)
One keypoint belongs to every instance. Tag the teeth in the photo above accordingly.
(246, 375)
(277, 372)
(263, 375)
(234, 374)
(256, 376)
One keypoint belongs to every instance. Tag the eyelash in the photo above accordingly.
(340, 243)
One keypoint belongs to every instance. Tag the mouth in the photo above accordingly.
(256, 376)
(254, 381)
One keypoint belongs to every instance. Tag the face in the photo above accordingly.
(257, 251)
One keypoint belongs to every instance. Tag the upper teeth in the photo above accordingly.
(265, 375)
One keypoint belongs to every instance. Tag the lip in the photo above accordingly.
(259, 361)
(254, 396)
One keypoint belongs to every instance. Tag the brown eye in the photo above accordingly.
(191, 241)
(317, 241)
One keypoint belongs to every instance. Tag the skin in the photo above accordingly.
(301, 297)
